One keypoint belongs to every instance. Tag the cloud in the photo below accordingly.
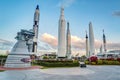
(66, 3)
(116, 13)
(5, 44)
(79, 43)
(98, 43)
(49, 39)
(76, 42)
(113, 45)
(53, 41)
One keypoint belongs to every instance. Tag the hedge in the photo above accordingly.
(58, 63)
(93, 63)
(100, 62)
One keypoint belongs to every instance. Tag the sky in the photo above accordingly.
(104, 14)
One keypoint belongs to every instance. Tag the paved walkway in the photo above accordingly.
(28, 68)
(76, 73)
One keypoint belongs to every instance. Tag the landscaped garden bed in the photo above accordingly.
(108, 61)
(57, 63)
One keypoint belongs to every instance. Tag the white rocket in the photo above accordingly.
(68, 42)
(61, 36)
(101, 49)
(91, 40)
(35, 29)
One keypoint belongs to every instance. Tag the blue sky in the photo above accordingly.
(18, 14)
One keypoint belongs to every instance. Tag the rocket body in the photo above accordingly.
(104, 42)
(68, 40)
(91, 40)
(35, 29)
(87, 46)
(61, 36)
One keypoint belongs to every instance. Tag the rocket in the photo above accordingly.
(104, 42)
(61, 36)
(68, 42)
(91, 40)
(87, 45)
(101, 49)
(35, 29)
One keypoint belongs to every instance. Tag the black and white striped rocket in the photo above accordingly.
(104, 42)
(87, 45)
(35, 29)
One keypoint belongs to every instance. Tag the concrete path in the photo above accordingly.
(26, 68)
(77, 73)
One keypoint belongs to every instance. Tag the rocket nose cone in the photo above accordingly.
(37, 7)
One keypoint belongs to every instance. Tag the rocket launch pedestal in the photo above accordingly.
(19, 56)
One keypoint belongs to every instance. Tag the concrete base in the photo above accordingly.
(19, 52)
(14, 61)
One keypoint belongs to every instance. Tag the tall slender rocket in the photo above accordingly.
(68, 42)
(101, 49)
(35, 29)
(91, 40)
(61, 36)
(104, 42)
(87, 45)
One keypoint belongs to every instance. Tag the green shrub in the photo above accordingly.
(93, 63)
(45, 57)
(110, 62)
(116, 63)
(2, 70)
(104, 61)
(113, 63)
(58, 64)
(99, 62)
(86, 62)
(75, 61)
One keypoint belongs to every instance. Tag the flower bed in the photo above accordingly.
(109, 61)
